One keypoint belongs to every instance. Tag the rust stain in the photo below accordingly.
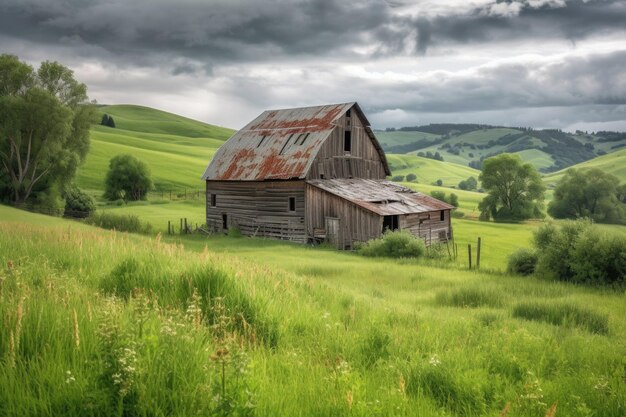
(316, 123)
(236, 163)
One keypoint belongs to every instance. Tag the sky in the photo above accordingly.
(535, 63)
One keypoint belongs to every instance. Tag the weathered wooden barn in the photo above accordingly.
(312, 174)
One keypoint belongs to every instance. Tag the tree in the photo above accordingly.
(128, 178)
(468, 184)
(411, 177)
(439, 182)
(589, 193)
(44, 129)
(107, 120)
(515, 191)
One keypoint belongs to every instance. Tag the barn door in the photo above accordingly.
(332, 231)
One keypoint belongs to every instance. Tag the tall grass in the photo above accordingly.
(97, 322)
(563, 314)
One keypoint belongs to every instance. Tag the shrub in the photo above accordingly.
(458, 214)
(397, 178)
(411, 177)
(78, 204)
(523, 262)
(578, 251)
(562, 314)
(121, 222)
(396, 244)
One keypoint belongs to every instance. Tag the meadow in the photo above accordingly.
(99, 322)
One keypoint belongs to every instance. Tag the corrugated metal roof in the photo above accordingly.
(381, 197)
(279, 144)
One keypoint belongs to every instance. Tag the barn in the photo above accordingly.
(314, 174)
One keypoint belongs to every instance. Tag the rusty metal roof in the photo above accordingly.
(280, 144)
(380, 196)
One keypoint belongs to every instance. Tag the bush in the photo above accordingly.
(411, 177)
(523, 262)
(120, 222)
(78, 204)
(396, 244)
(397, 178)
(578, 251)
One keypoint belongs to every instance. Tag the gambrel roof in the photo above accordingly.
(281, 144)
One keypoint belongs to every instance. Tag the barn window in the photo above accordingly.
(390, 223)
(442, 215)
(347, 141)
(349, 113)
(292, 204)
(225, 221)
(213, 200)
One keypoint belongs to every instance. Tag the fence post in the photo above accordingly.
(469, 254)
(169, 226)
(478, 255)
(186, 226)
(181, 225)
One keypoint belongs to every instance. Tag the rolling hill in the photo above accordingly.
(175, 148)
(613, 163)
(468, 144)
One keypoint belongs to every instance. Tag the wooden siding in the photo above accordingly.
(363, 160)
(428, 226)
(355, 224)
(359, 225)
(258, 208)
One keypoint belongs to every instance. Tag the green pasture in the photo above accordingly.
(429, 171)
(97, 322)
(612, 163)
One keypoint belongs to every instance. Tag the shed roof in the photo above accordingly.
(280, 144)
(380, 196)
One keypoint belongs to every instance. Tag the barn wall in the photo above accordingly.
(258, 208)
(356, 224)
(363, 161)
(428, 226)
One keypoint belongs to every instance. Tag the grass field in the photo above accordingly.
(612, 163)
(104, 323)
(429, 171)
(176, 149)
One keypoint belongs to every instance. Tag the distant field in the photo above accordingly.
(612, 163)
(429, 171)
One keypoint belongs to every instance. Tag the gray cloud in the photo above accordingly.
(145, 31)
(201, 58)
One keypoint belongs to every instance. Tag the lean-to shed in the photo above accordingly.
(314, 173)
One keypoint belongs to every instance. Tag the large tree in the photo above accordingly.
(515, 191)
(589, 193)
(44, 128)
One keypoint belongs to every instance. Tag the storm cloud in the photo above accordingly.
(401, 59)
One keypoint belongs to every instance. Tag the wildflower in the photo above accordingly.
(434, 360)
(69, 378)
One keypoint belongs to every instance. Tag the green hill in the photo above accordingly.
(428, 170)
(613, 163)
(175, 148)
(468, 144)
